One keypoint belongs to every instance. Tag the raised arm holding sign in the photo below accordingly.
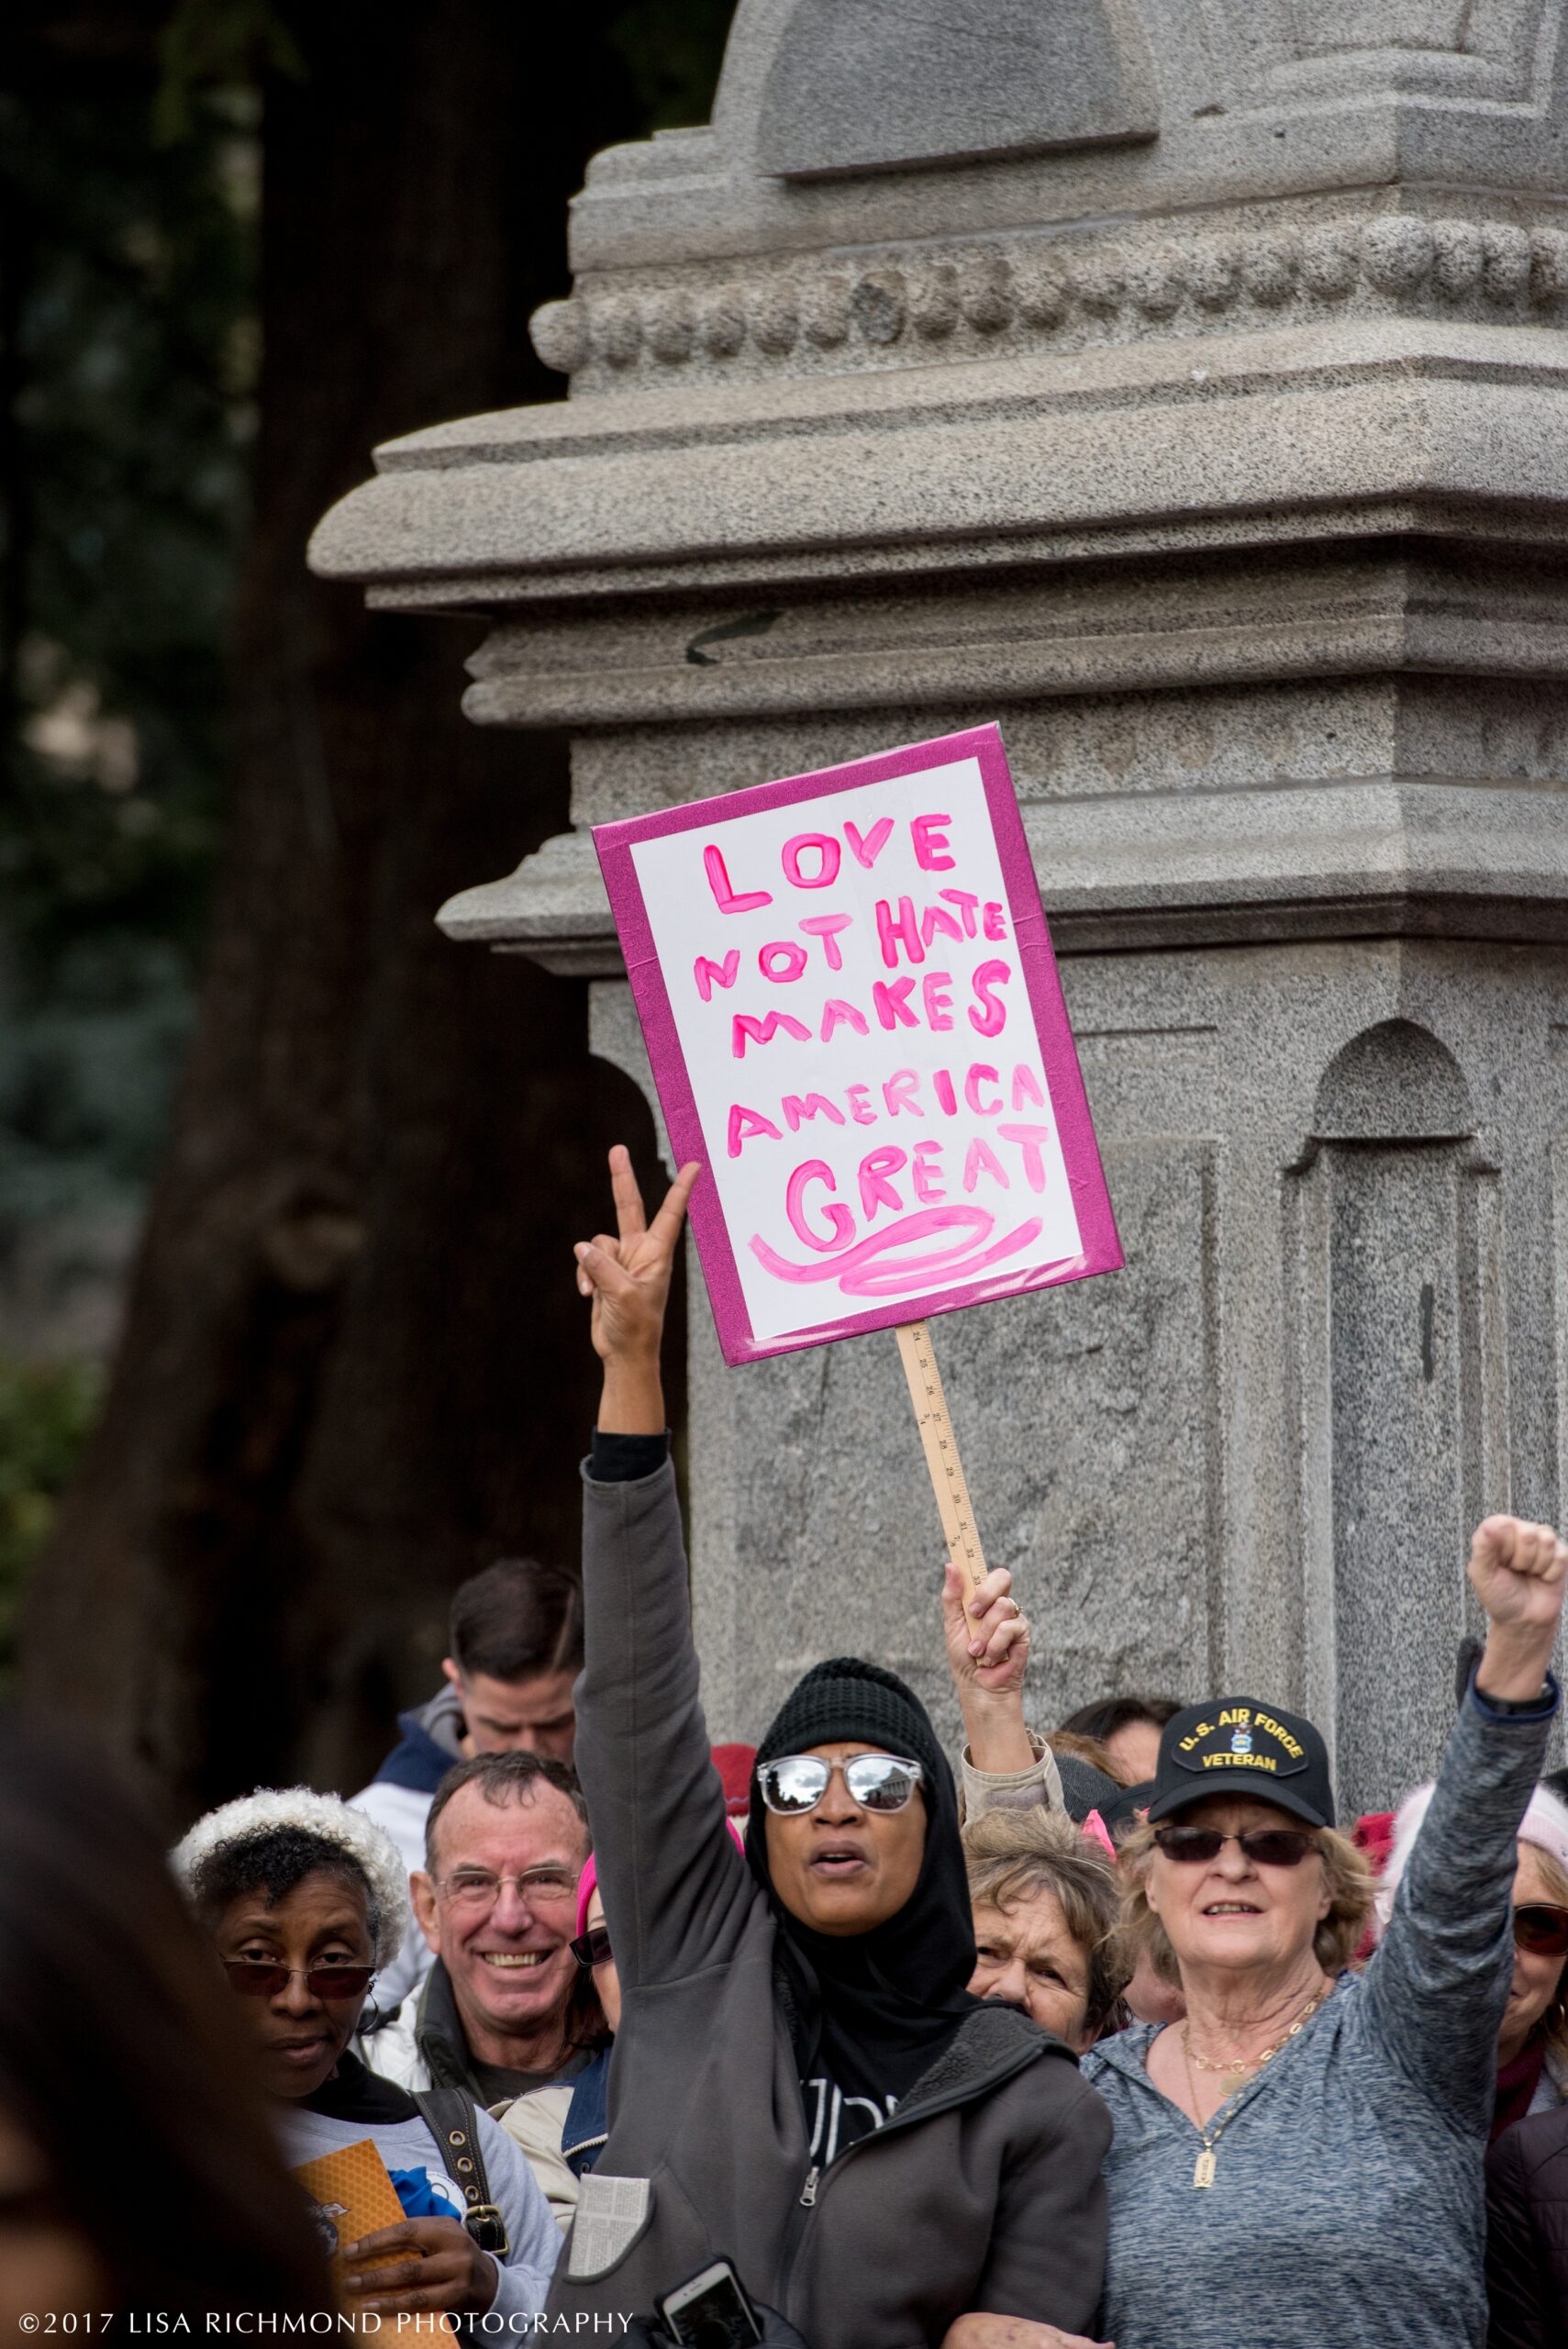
(801, 2008)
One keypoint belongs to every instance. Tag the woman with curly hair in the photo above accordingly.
(303, 1899)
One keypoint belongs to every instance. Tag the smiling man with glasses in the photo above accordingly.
(504, 2006)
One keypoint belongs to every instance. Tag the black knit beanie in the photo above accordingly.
(845, 1699)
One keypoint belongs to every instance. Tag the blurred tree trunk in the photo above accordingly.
(351, 1370)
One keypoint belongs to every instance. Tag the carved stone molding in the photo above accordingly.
(967, 300)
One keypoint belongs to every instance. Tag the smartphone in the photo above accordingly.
(710, 2311)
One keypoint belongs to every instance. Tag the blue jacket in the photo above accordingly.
(420, 1759)
(587, 2121)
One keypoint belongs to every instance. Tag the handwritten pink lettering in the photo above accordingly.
(866, 850)
(709, 974)
(782, 960)
(988, 1013)
(828, 854)
(977, 1076)
(763, 1031)
(745, 1125)
(930, 842)
(899, 1092)
(891, 928)
(983, 1160)
(724, 897)
(815, 1104)
(841, 1222)
(890, 1001)
(841, 1015)
(1029, 1139)
(935, 923)
(876, 1168)
(827, 927)
(936, 994)
(925, 1173)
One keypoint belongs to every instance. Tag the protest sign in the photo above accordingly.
(854, 1021)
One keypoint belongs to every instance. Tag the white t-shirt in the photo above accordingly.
(524, 2274)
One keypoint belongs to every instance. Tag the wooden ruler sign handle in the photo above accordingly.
(941, 1456)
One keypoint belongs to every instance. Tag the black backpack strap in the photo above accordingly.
(452, 2118)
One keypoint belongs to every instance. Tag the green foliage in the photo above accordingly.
(127, 340)
(45, 1413)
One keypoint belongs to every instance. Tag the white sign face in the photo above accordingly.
(851, 1005)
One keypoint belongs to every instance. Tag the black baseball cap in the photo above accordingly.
(1236, 1746)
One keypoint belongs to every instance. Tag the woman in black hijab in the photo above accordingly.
(872, 1898)
(800, 2082)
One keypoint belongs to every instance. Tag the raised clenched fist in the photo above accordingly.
(1517, 1572)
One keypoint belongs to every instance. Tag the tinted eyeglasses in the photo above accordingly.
(796, 1783)
(591, 1948)
(1265, 1847)
(255, 1977)
(478, 1888)
(1541, 1926)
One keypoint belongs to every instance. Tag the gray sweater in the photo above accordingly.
(982, 2192)
(1346, 2206)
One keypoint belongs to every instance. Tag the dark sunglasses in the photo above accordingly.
(1265, 1847)
(1541, 1926)
(796, 1782)
(253, 1979)
(591, 1948)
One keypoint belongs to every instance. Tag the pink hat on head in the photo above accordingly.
(1545, 1824)
(586, 1883)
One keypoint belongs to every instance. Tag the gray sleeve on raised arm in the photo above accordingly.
(676, 1890)
(1439, 1981)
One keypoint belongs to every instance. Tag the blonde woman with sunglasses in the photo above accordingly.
(1300, 2160)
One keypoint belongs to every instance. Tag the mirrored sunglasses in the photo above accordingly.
(254, 1979)
(591, 1948)
(1265, 1847)
(797, 1782)
(1541, 1926)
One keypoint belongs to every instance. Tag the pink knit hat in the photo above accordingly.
(1545, 1824)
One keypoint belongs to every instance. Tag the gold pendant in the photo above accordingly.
(1202, 2175)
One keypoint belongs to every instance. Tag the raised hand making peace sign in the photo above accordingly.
(629, 1279)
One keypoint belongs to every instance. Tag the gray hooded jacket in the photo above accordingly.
(982, 2192)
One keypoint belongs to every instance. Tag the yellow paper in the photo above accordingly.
(354, 2196)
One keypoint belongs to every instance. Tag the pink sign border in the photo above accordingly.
(1101, 1249)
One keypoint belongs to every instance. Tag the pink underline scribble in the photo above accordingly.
(859, 1271)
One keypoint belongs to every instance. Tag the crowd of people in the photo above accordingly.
(1108, 2036)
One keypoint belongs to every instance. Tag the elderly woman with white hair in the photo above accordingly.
(303, 1899)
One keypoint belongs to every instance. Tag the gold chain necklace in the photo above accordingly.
(1203, 2169)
